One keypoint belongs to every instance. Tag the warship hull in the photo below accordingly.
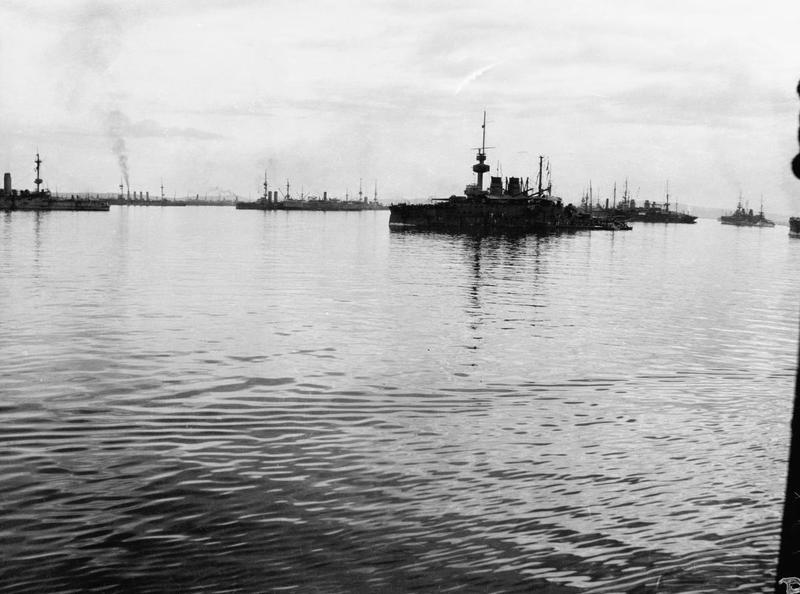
(257, 205)
(523, 216)
(138, 202)
(643, 216)
(47, 203)
(746, 221)
(329, 205)
(661, 217)
(316, 205)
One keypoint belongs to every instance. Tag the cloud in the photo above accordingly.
(474, 76)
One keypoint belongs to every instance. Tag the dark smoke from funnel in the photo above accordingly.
(117, 122)
(121, 152)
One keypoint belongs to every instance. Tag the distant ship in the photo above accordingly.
(509, 207)
(794, 226)
(269, 201)
(742, 217)
(328, 204)
(650, 212)
(144, 199)
(39, 199)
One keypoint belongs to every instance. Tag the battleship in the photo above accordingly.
(40, 199)
(648, 212)
(514, 207)
(743, 217)
(270, 201)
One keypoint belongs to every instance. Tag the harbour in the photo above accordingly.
(355, 298)
(519, 412)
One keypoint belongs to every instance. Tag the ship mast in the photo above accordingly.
(481, 167)
(287, 189)
(667, 203)
(539, 192)
(38, 180)
(162, 188)
(266, 195)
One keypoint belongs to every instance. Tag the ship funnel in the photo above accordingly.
(496, 186)
(7, 185)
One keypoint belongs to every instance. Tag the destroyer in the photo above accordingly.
(39, 199)
(742, 217)
(513, 207)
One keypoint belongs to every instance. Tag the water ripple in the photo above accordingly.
(517, 415)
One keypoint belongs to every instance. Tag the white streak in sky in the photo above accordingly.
(474, 76)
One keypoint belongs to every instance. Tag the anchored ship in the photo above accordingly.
(39, 199)
(270, 201)
(794, 226)
(143, 199)
(743, 217)
(648, 212)
(510, 207)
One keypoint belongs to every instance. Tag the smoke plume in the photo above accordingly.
(117, 124)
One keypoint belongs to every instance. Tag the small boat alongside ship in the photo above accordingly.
(743, 217)
(39, 199)
(510, 207)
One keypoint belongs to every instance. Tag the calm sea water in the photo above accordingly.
(204, 399)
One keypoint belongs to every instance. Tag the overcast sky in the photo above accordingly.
(206, 95)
